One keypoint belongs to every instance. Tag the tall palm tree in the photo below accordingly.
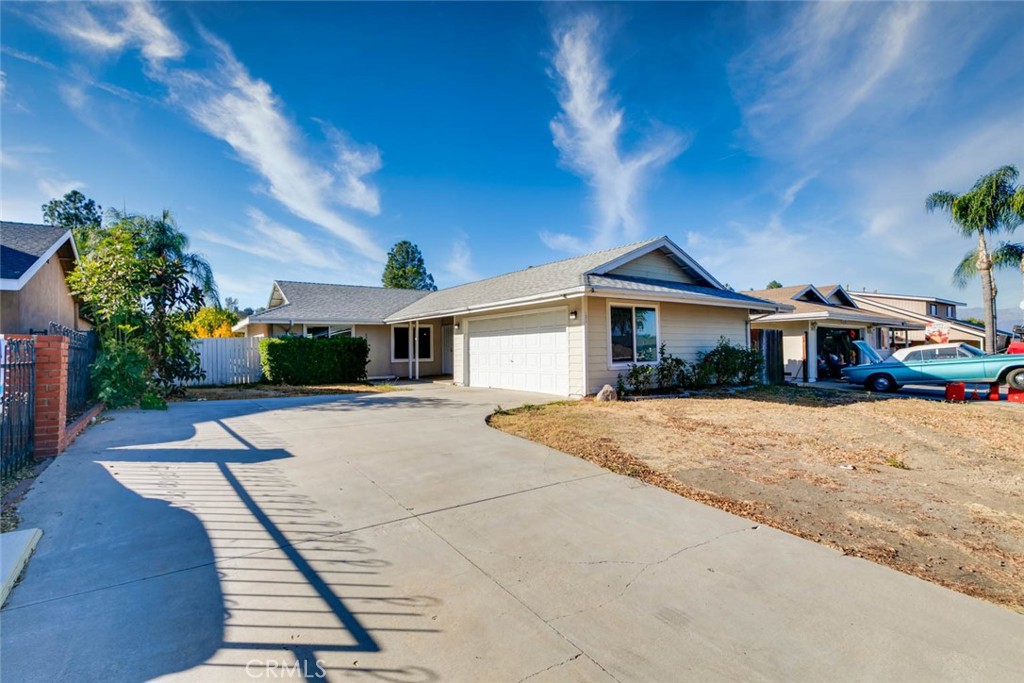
(987, 208)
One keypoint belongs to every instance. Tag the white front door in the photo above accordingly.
(528, 352)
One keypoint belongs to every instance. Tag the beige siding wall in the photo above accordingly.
(654, 265)
(906, 304)
(379, 338)
(459, 368)
(577, 342)
(257, 329)
(44, 298)
(10, 313)
(684, 329)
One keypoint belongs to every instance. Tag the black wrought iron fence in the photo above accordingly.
(81, 355)
(17, 405)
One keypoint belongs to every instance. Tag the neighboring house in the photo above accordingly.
(564, 328)
(819, 330)
(937, 315)
(34, 261)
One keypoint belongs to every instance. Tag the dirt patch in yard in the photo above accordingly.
(932, 489)
(244, 391)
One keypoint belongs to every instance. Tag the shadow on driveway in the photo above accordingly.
(156, 560)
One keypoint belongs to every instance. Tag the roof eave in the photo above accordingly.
(685, 297)
(545, 297)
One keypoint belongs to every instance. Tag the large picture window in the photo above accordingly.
(634, 334)
(400, 343)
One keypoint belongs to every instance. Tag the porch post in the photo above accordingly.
(408, 334)
(812, 352)
(416, 345)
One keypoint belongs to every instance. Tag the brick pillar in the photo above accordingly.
(51, 394)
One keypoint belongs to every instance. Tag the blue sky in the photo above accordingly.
(300, 141)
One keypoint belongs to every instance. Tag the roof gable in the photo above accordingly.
(659, 259)
(25, 247)
(838, 295)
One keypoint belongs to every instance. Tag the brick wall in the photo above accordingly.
(52, 435)
(51, 394)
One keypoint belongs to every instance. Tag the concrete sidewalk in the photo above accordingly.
(396, 537)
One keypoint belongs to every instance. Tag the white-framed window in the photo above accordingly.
(400, 343)
(933, 309)
(633, 333)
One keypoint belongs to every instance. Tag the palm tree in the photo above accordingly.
(163, 238)
(988, 208)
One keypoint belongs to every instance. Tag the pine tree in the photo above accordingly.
(405, 269)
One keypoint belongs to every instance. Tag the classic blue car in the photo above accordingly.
(934, 364)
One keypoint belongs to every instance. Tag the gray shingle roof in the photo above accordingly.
(21, 245)
(324, 303)
(548, 278)
(695, 293)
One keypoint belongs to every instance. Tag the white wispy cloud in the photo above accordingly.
(830, 69)
(55, 188)
(459, 267)
(114, 27)
(889, 103)
(271, 240)
(230, 104)
(588, 133)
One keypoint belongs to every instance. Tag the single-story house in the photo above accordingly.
(820, 326)
(34, 262)
(564, 328)
(938, 316)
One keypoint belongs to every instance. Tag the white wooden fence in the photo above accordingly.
(233, 360)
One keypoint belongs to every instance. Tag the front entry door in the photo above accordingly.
(447, 349)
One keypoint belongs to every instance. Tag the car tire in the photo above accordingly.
(883, 384)
(1015, 378)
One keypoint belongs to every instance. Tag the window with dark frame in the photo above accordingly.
(400, 343)
(634, 334)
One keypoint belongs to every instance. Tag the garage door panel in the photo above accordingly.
(527, 352)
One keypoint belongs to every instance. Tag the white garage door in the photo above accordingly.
(525, 352)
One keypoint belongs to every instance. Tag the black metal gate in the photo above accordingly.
(81, 355)
(17, 409)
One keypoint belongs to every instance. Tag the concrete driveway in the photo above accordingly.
(397, 538)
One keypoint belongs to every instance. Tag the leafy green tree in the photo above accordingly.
(774, 284)
(988, 208)
(231, 304)
(77, 213)
(142, 287)
(405, 269)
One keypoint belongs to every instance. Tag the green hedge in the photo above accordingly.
(302, 360)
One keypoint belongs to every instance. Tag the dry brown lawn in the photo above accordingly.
(932, 489)
(242, 391)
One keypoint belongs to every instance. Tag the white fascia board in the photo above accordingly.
(682, 298)
(12, 285)
(936, 299)
(547, 297)
(310, 321)
(822, 315)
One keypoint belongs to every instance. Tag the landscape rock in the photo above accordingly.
(607, 393)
